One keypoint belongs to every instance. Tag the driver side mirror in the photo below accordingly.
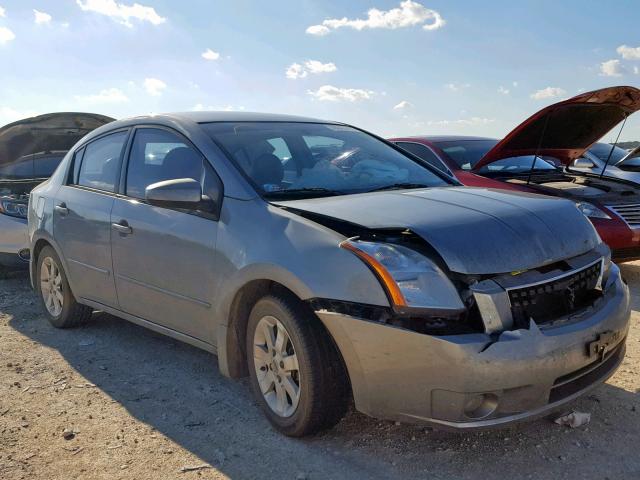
(183, 193)
(583, 163)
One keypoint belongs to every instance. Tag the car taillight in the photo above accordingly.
(13, 208)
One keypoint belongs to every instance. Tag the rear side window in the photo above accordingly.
(100, 165)
(159, 155)
(424, 153)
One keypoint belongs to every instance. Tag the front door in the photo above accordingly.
(82, 218)
(163, 258)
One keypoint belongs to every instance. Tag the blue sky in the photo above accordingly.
(407, 67)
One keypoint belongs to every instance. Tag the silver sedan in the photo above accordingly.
(327, 265)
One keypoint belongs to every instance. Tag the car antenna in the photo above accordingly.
(613, 147)
(535, 157)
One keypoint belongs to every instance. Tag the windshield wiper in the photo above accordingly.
(303, 192)
(399, 186)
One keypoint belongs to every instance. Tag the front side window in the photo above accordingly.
(328, 159)
(159, 155)
(100, 167)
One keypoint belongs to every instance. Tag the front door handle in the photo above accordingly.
(62, 209)
(122, 227)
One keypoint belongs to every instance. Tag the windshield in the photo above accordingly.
(285, 159)
(467, 153)
(603, 150)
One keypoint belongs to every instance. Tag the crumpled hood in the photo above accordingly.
(475, 230)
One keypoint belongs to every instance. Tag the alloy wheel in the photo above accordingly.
(51, 286)
(276, 365)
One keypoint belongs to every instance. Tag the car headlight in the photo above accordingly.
(411, 280)
(13, 208)
(591, 211)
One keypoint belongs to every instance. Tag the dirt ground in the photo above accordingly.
(136, 405)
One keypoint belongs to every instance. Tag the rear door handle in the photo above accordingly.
(62, 209)
(122, 227)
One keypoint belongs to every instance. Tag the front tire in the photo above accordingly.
(59, 305)
(296, 372)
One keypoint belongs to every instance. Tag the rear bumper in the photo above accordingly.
(470, 381)
(14, 243)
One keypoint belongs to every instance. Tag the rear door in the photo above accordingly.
(163, 258)
(82, 217)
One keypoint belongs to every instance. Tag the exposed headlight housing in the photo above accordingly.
(411, 280)
(13, 208)
(591, 211)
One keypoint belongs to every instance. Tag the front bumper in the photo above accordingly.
(14, 244)
(471, 381)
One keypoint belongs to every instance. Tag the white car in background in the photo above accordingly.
(30, 151)
(622, 164)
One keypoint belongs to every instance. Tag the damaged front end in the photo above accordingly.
(498, 348)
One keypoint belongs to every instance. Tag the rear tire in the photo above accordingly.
(59, 305)
(299, 380)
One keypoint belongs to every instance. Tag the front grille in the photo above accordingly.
(557, 298)
(629, 212)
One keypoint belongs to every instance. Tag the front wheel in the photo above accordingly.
(296, 371)
(60, 306)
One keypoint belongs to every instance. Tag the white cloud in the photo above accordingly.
(295, 70)
(318, 30)
(3, 12)
(515, 84)
(636, 70)
(611, 68)
(465, 122)
(409, 14)
(209, 54)
(6, 35)
(41, 17)
(154, 86)
(504, 91)
(334, 94)
(122, 13)
(108, 95)
(629, 53)
(456, 87)
(314, 66)
(549, 92)
(403, 105)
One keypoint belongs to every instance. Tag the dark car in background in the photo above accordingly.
(535, 158)
(30, 151)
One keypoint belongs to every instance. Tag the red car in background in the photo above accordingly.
(534, 158)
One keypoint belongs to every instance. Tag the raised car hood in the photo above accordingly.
(475, 231)
(46, 133)
(565, 130)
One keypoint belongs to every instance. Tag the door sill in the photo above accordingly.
(183, 337)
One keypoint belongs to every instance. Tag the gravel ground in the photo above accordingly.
(113, 400)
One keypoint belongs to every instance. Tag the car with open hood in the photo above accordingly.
(536, 157)
(30, 151)
(606, 160)
(327, 264)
